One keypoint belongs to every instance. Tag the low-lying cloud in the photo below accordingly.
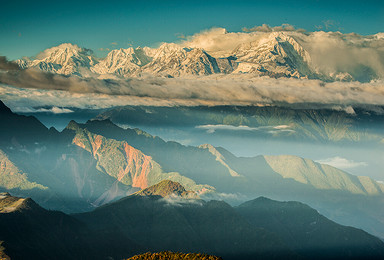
(341, 163)
(53, 110)
(7, 65)
(44, 89)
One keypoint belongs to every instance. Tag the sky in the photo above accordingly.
(28, 27)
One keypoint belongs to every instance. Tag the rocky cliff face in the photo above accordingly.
(118, 159)
(125, 163)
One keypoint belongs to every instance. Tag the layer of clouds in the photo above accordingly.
(7, 65)
(334, 52)
(270, 129)
(62, 91)
(342, 163)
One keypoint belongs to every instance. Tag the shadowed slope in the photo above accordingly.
(309, 233)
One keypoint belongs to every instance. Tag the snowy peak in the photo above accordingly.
(122, 62)
(276, 55)
(64, 59)
(173, 60)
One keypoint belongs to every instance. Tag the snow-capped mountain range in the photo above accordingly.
(275, 54)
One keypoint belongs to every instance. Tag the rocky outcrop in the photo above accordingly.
(168, 188)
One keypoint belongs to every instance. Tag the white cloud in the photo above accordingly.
(38, 89)
(228, 197)
(342, 163)
(269, 129)
(54, 110)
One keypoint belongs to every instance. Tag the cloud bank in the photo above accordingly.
(41, 88)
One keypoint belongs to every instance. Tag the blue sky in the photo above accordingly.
(28, 27)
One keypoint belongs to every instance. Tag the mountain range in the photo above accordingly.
(275, 54)
(89, 165)
(257, 229)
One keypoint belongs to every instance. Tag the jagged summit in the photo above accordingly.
(122, 62)
(167, 188)
(275, 54)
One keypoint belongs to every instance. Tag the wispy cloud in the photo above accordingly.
(270, 129)
(341, 163)
(53, 110)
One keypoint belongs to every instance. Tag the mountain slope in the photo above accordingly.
(13, 131)
(197, 226)
(31, 232)
(12, 177)
(309, 233)
(322, 176)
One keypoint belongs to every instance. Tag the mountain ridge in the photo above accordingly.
(275, 54)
